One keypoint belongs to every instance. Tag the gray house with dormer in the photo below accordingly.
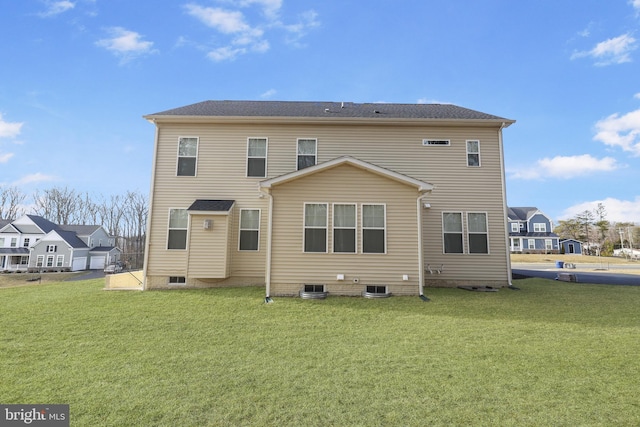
(33, 243)
(530, 231)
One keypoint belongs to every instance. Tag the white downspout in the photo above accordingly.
(149, 216)
(420, 250)
(267, 298)
(505, 219)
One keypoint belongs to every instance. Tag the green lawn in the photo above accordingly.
(551, 354)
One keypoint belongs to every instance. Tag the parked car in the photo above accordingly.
(113, 268)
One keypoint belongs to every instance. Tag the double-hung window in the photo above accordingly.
(307, 153)
(452, 232)
(315, 227)
(249, 229)
(473, 153)
(373, 229)
(40, 261)
(477, 233)
(187, 156)
(49, 260)
(257, 157)
(52, 248)
(539, 227)
(514, 227)
(178, 224)
(344, 228)
(59, 260)
(26, 241)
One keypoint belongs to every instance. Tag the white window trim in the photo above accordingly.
(49, 258)
(178, 156)
(304, 226)
(462, 220)
(515, 227)
(355, 227)
(486, 219)
(386, 233)
(531, 244)
(26, 242)
(240, 229)
(176, 283)
(266, 156)
(52, 248)
(40, 261)
(436, 142)
(548, 244)
(539, 227)
(60, 261)
(186, 245)
(298, 155)
(478, 153)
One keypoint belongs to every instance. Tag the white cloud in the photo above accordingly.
(612, 51)
(617, 210)
(243, 37)
(268, 94)
(9, 129)
(4, 158)
(620, 131)
(637, 95)
(635, 4)
(566, 167)
(126, 44)
(34, 178)
(57, 7)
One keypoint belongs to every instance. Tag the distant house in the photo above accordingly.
(34, 243)
(571, 246)
(530, 231)
(325, 197)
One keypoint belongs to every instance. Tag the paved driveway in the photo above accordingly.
(89, 274)
(586, 275)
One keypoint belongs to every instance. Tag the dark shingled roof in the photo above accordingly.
(211, 205)
(328, 110)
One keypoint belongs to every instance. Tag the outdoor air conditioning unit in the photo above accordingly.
(208, 224)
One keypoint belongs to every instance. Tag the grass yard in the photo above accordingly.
(550, 354)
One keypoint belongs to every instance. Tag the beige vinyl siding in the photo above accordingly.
(209, 255)
(291, 267)
(222, 156)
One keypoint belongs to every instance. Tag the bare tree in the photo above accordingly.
(11, 199)
(59, 205)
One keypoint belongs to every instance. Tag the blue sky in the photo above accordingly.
(76, 76)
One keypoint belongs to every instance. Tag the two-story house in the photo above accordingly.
(343, 198)
(531, 231)
(34, 243)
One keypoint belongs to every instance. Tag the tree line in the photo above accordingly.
(124, 216)
(600, 236)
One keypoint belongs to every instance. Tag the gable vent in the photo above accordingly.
(436, 142)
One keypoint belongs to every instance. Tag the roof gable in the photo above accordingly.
(420, 185)
(69, 237)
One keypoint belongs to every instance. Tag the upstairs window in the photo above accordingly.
(187, 156)
(315, 227)
(344, 228)
(178, 224)
(452, 232)
(257, 157)
(249, 229)
(14, 242)
(539, 227)
(473, 153)
(515, 227)
(373, 229)
(26, 242)
(478, 233)
(307, 153)
(52, 248)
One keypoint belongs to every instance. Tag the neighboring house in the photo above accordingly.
(571, 246)
(342, 198)
(34, 243)
(530, 231)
